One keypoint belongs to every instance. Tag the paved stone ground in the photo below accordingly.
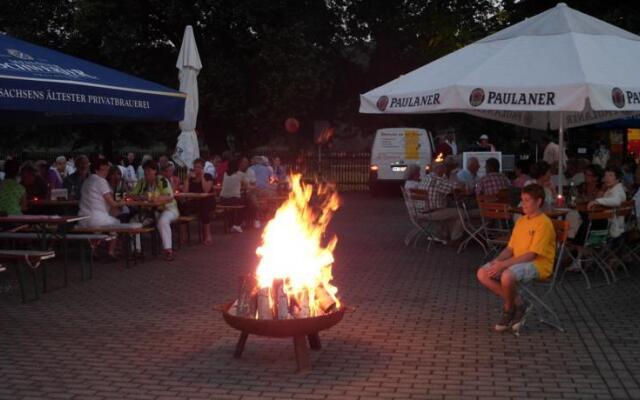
(422, 330)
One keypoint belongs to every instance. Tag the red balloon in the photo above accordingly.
(291, 125)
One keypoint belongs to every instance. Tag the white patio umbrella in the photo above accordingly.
(189, 66)
(559, 69)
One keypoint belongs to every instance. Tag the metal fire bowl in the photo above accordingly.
(277, 328)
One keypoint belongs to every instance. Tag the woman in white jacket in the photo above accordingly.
(613, 197)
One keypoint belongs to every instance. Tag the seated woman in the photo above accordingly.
(119, 189)
(612, 197)
(541, 174)
(168, 171)
(522, 174)
(159, 188)
(98, 204)
(591, 188)
(231, 194)
(13, 198)
(200, 182)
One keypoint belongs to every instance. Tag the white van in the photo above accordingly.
(393, 150)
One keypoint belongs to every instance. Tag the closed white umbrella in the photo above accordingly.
(559, 69)
(189, 65)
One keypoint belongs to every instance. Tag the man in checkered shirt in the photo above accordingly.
(438, 187)
(493, 181)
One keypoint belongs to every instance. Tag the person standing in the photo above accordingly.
(484, 143)
(443, 149)
(602, 155)
(551, 154)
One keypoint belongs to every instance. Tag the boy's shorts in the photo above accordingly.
(523, 272)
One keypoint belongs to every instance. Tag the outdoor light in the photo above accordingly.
(374, 167)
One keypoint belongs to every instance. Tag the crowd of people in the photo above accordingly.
(101, 187)
(603, 181)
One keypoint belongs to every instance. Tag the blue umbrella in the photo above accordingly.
(40, 85)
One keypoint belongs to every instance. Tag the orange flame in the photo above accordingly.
(440, 158)
(292, 247)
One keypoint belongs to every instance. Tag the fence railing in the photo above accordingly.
(350, 171)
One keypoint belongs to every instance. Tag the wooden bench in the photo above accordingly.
(183, 220)
(30, 258)
(92, 239)
(228, 212)
(128, 234)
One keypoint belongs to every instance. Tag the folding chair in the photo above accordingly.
(496, 225)
(545, 288)
(618, 246)
(596, 241)
(474, 231)
(629, 246)
(420, 221)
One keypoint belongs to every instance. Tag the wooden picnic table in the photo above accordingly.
(129, 202)
(40, 219)
(55, 203)
(193, 196)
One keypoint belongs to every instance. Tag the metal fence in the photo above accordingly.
(350, 171)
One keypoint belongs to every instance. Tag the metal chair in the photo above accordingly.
(596, 241)
(546, 288)
(474, 231)
(496, 225)
(421, 225)
(617, 248)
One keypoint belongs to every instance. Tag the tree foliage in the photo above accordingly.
(264, 61)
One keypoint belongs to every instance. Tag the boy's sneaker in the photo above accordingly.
(505, 320)
(518, 317)
(236, 229)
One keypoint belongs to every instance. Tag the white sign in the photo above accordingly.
(482, 157)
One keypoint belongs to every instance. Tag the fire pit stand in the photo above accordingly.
(300, 330)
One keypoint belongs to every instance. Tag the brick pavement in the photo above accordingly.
(422, 330)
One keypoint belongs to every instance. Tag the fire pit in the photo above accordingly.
(290, 294)
(298, 329)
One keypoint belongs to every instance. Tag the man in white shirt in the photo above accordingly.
(98, 204)
(551, 153)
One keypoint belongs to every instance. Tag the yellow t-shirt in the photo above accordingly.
(535, 235)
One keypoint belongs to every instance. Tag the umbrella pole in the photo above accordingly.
(561, 156)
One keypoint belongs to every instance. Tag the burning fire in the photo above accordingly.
(440, 158)
(293, 277)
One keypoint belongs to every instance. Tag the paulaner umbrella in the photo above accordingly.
(558, 69)
(189, 66)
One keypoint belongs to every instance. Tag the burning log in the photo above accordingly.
(264, 304)
(247, 297)
(324, 299)
(281, 300)
(300, 305)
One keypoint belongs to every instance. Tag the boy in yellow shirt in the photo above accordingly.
(529, 255)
